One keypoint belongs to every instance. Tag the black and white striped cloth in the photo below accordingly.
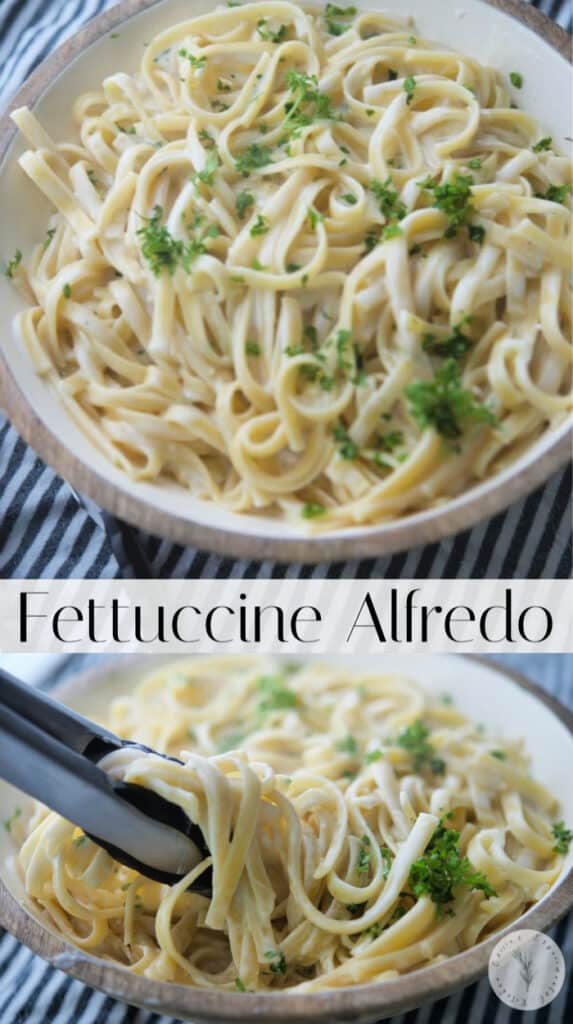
(44, 533)
(31, 992)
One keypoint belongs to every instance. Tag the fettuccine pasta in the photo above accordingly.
(357, 830)
(304, 263)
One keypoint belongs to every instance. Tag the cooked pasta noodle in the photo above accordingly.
(305, 264)
(325, 798)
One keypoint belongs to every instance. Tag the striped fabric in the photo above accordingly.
(45, 533)
(31, 992)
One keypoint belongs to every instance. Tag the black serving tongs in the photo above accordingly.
(52, 754)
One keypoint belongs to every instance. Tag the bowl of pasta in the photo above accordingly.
(373, 831)
(291, 281)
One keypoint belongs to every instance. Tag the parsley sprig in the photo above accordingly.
(442, 870)
(414, 739)
(271, 35)
(308, 104)
(163, 252)
(563, 835)
(442, 403)
(274, 695)
(454, 345)
(278, 963)
(335, 28)
(13, 264)
(253, 157)
(453, 198)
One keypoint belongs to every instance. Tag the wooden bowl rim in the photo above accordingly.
(387, 998)
(427, 526)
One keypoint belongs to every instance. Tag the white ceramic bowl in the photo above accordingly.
(507, 705)
(506, 34)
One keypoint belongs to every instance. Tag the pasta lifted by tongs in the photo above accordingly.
(54, 755)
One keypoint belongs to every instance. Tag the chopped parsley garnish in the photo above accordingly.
(239, 985)
(364, 856)
(474, 164)
(67, 291)
(13, 264)
(308, 103)
(275, 696)
(476, 233)
(260, 227)
(257, 265)
(347, 745)
(390, 440)
(163, 252)
(349, 198)
(391, 231)
(555, 193)
(252, 348)
(312, 509)
(543, 144)
(207, 175)
(454, 200)
(386, 855)
(500, 755)
(563, 835)
(314, 217)
(373, 755)
(196, 62)
(442, 870)
(8, 822)
(49, 235)
(454, 345)
(278, 961)
(443, 404)
(334, 28)
(409, 88)
(243, 202)
(270, 35)
(206, 138)
(414, 739)
(347, 448)
(516, 79)
(390, 205)
(253, 157)
(223, 86)
(80, 841)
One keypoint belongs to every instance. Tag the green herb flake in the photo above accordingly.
(271, 35)
(347, 745)
(476, 233)
(80, 841)
(555, 193)
(347, 448)
(260, 227)
(442, 870)
(207, 175)
(314, 217)
(197, 63)
(239, 985)
(516, 79)
(9, 822)
(13, 264)
(409, 88)
(453, 198)
(387, 197)
(350, 199)
(275, 696)
(67, 291)
(543, 144)
(386, 855)
(48, 239)
(563, 835)
(252, 158)
(454, 345)
(308, 103)
(312, 510)
(414, 739)
(391, 231)
(364, 856)
(392, 75)
(243, 202)
(278, 963)
(373, 755)
(252, 348)
(443, 404)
